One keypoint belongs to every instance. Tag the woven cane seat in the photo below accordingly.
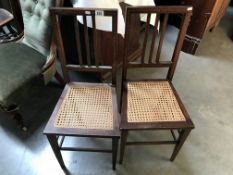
(152, 101)
(86, 107)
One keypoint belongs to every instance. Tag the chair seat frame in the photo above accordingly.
(85, 65)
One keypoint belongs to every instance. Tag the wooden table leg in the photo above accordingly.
(53, 142)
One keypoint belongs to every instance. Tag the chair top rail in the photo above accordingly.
(82, 11)
(160, 9)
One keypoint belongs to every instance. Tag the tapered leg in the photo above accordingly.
(114, 152)
(53, 142)
(183, 135)
(124, 134)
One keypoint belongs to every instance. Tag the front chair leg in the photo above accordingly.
(114, 152)
(182, 137)
(53, 143)
(124, 134)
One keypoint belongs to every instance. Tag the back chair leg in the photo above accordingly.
(182, 137)
(114, 152)
(124, 134)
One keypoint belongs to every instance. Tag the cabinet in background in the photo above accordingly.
(206, 16)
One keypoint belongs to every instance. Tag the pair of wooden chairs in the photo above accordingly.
(90, 109)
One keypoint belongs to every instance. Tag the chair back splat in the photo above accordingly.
(86, 44)
(153, 36)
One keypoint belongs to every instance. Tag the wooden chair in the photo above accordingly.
(84, 109)
(153, 104)
(28, 63)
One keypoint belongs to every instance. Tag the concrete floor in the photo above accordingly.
(205, 84)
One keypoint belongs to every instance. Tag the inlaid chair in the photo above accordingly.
(150, 103)
(84, 109)
(29, 62)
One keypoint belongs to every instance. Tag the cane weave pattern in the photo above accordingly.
(152, 101)
(86, 107)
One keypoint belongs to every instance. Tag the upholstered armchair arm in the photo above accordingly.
(49, 68)
(51, 58)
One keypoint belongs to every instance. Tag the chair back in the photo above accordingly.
(153, 36)
(37, 27)
(87, 45)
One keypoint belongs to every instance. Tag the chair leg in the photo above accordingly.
(114, 152)
(182, 137)
(18, 118)
(53, 142)
(124, 134)
(59, 79)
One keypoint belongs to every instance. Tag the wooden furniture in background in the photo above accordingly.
(153, 104)
(5, 21)
(85, 109)
(5, 17)
(217, 13)
(16, 25)
(206, 16)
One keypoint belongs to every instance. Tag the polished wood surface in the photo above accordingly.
(86, 60)
(154, 60)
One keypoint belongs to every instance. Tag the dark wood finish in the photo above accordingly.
(124, 135)
(203, 17)
(183, 127)
(182, 137)
(86, 62)
(114, 152)
(53, 142)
